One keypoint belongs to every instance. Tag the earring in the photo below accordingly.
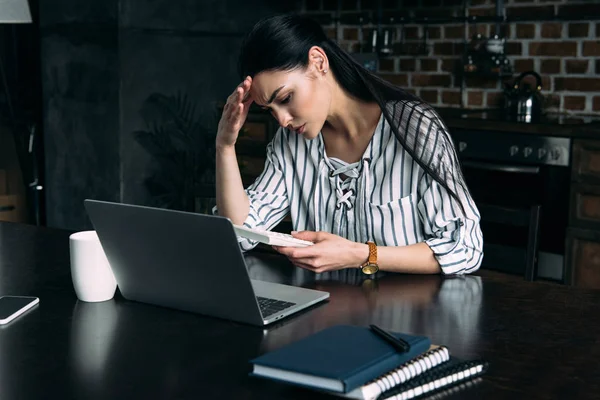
(325, 71)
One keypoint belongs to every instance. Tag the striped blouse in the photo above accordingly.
(386, 197)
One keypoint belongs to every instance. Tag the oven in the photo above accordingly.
(517, 171)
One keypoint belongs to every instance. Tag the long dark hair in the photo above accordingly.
(282, 43)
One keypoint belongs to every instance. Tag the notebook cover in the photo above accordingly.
(352, 355)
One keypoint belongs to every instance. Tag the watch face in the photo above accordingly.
(370, 269)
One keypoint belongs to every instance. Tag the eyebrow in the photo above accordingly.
(274, 94)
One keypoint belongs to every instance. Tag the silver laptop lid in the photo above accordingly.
(175, 259)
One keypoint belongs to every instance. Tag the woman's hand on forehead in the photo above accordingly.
(234, 114)
(246, 85)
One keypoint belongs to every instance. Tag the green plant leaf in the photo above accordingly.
(184, 150)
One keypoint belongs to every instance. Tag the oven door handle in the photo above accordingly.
(502, 167)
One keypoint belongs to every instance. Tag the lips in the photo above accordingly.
(299, 130)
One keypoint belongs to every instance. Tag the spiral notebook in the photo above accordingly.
(454, 390)
(437, 355)
(430, 373)
(445, 376)
(352, 362)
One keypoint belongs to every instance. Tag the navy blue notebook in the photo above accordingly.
(339, 359)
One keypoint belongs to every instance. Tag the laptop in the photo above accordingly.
(190, 262)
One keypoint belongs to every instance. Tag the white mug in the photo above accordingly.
(92, 276)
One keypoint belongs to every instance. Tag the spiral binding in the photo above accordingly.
(406, 372)
(437, 380)
(443, 393)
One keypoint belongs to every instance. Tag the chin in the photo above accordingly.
(312, 133)
(309, 135)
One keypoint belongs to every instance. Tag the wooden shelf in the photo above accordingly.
(396, 18)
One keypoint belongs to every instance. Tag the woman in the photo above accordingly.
(367, 171)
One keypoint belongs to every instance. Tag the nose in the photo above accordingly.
(283, 118)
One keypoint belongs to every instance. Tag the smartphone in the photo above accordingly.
(13, 306)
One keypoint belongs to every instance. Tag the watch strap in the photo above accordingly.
(372, 253)
(370, 267)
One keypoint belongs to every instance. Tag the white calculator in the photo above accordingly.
(269, 237)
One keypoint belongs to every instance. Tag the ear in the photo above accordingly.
(318, 63)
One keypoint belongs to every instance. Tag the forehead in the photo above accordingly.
(266, 82)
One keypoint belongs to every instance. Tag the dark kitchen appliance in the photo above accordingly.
(516, 168)
(518, 171)
(522, 102)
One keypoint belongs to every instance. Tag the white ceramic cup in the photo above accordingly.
(92, 276)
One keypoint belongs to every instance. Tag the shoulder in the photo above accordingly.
(404, 113)
(417, 124)
(422, 132)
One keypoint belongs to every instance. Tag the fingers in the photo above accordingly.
(236, 95)
(235, 112)
(247, 98)
(243, 89)
(298, 256)
(241, 95)
(309, 262)
(303, 266)
(311, 266)
(246, 83)
(296, 252)
(311, 236)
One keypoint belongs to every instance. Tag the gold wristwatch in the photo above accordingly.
(371, 267)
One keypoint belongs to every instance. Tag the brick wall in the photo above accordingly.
(565, 50)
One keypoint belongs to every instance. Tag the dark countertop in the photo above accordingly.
(586, 127)
(539, 338)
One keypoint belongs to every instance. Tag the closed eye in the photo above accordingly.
(287, 99)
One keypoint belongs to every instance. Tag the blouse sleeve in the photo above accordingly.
(453, 233)
(268, 196)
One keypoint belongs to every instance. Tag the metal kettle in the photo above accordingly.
(523, 103)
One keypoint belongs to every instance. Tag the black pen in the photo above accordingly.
(399, 344)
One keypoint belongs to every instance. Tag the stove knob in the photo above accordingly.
(462, 146)
(514, 150)
(527, 151)
(555, 153)
(542, 153)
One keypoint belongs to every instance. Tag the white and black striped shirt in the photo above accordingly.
(386, 197)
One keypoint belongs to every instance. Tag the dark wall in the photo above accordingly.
(102, 61)
(80, 78)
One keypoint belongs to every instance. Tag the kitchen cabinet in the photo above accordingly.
(586, 161)
(582, 261)
(583, 258)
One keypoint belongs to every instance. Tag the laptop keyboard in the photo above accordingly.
(271, 306)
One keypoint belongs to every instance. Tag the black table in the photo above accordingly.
(541, 339)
